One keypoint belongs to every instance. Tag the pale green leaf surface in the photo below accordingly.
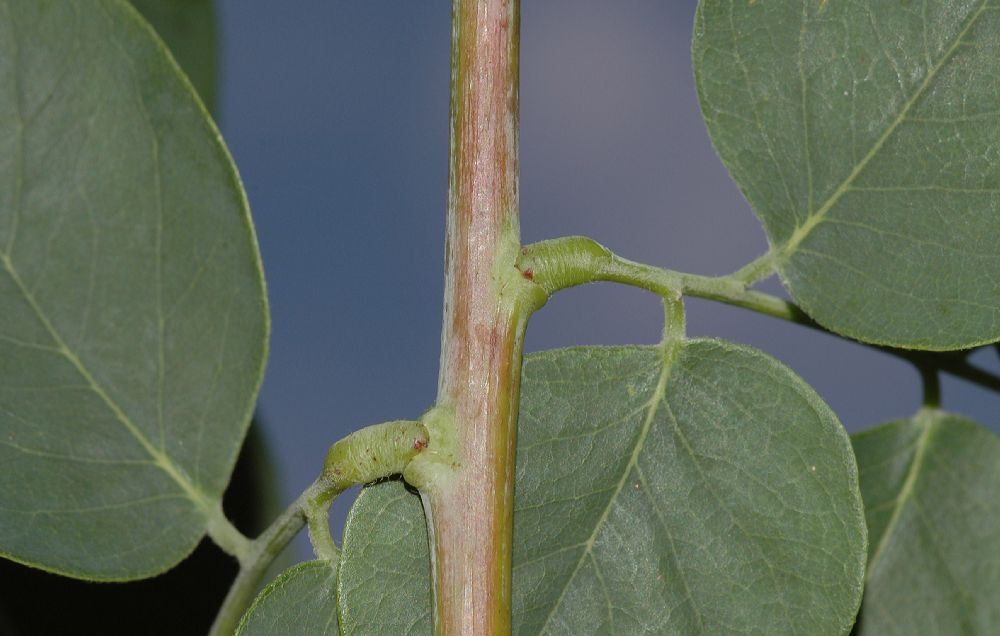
(300, 601)
(188, 27)
(866, 136)
(718, 496)
(930, 486)
(134, 323)
(386, 536)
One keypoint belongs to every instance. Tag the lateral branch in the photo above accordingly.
(575, 260)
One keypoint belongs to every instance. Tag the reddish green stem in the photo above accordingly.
(466, 477)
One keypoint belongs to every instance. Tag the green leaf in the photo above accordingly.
(864, 135)
(300, 601)
(150, 607)
(134, 319)
(386, 529)
(188, 29)
(717, 496)
(930, 486)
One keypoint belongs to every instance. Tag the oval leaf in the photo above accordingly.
(717, 496)
(865, 136)
(134, 322)
(930, 489)
(301, 600)
(386, 527)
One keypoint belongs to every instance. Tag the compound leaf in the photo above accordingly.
(930, 488)
(134, 320)
(866, 137)
(714, 495)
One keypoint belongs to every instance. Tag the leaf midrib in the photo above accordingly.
(160, 458)
(905, 492)
(788, 248)
(670, 352)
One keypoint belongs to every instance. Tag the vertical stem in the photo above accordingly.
(469, 504)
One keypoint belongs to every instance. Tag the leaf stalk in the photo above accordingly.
(932, 386)
(226, 536)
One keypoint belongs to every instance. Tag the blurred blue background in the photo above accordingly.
(337, 112)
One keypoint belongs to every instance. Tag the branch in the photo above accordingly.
(575, 260)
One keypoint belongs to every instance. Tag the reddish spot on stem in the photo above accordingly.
(529, 274)
(419, 444)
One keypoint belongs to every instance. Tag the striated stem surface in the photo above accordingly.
(469, 494)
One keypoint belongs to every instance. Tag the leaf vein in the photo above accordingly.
(905, 494)
(669, 350)
(789, 247)
(161, 459)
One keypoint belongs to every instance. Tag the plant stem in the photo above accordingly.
(575, 260)
(263, 550)
(467, 488)
(372, 453)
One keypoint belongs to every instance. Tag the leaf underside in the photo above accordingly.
(389, 530)
(134, 320)
(300, 601)
(866, 137)
(930, 488)
(715, 496)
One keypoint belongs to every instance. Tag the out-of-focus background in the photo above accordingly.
(336, 114)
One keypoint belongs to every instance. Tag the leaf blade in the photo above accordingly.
(677, 454)
(133, 294)
(845, 126)
(929, 486)
(386, 521)
(300, 600)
